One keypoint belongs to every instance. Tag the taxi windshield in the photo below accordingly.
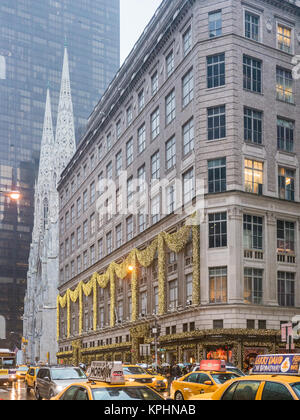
(133, 370)
(22, 369)
(125, 394)
(296, 388)
(66, 374)
(221, 378)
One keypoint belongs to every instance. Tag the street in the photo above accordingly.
(15, 393)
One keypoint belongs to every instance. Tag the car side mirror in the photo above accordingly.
(208, 383)
(47, 379)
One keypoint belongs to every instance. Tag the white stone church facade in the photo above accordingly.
(39, 320)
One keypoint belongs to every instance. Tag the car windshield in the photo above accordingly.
(236, 370)
(22, 369)
(221, 378)
(296, 388)
(133, 370)
(126, 394)
(67, 373)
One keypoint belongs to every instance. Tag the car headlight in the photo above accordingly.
(165, 381)
(153, 379)
(131, 380)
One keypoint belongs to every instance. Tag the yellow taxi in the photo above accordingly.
(21, 372)
(274, 378)
(210, 377)
(30, 378)
(160, 379)
(139, 375)
(108, 382)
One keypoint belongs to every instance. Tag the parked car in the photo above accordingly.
(51, 380)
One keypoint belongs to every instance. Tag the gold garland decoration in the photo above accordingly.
(175, 242)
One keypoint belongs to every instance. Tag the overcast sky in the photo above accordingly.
(135, 15)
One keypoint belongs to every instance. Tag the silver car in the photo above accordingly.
(51, 380)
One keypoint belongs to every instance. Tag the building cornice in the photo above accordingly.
(132, 72)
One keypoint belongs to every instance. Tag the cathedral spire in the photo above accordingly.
(47, 144)
(65, 145)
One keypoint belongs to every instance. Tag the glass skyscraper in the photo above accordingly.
(32, 38)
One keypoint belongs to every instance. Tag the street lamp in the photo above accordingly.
(13, 195)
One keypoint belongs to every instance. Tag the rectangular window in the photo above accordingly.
(218, 285)
(189, 287)
(286, 184)
(85, 200)
(216, 123)
(188, 186)
(109, 141)
(173, 294)
(118, 129)
(79, 237)
(187, 41)
(142, 138)
(154, 83)
(188, 137)
(217, 230)
(254, 176)
(253, 232)
(284, 38)
(170, 199)
(129, 228)
(187, 88)
(170, 63)
(171, 153)
(170, 107)
(215, 23)
(155, 166)
(286, 289)
(155, 124)
(92, 192)
(109, 171)
(119, 238)
(142, 179)
(284, 85)
(285, 135)
(252, 74)
(130, 191)
(129, 152)
(109, 246)
(217, 175)
(92, 224)
(78, 207)
(155, 209)
(252, 26)
(285, 237)
(119, 163)
(85, 231)
(129, 115)
(252, 126)
(141, 100)
(78, 264)
(253, 286)
(144, 303)
(141, 220)
(216, 71)
(100, 249)
(92, 255)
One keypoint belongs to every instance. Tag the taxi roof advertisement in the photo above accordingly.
(277, 364)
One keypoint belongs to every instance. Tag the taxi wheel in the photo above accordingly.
(27, 388)
(179, 396)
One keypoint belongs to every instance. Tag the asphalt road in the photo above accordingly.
(15, 393)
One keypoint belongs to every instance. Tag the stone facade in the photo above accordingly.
(39, 327)
(250, 232)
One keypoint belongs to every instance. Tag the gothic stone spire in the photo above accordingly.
(65, 145)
